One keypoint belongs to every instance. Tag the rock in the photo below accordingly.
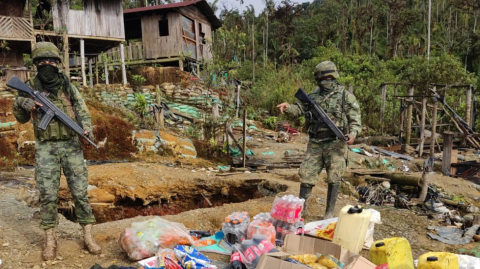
(102, 255)
(469, 217)
(473, 209)
(36, 267)
(6, 244)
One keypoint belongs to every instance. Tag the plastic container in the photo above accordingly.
(235, 227)
(300, 227)
(438, 260)
(263, 228)
(287, 209)
(395, 252)
(352, 228)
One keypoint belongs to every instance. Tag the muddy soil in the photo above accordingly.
(179, 192)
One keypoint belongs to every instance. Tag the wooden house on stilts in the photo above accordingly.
(93, 27)
(170, 34)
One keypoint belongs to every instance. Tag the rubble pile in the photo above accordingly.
(158, 141)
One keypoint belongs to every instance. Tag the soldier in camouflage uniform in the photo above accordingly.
(324, 150)
(58, 146)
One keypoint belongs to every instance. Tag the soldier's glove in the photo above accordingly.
(90, 135)
(26, 103)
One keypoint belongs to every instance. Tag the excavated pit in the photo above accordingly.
(201, 194)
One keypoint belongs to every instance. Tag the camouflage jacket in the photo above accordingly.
(78, 104)
(347, 116)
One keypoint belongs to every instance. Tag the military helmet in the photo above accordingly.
(326, 68)
(45, 50)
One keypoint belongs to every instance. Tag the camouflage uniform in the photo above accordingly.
(324, 150)
(59, 147)
(328, 152)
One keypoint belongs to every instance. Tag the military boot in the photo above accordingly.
(331, 199)
(305, 191)
(50, 251)
(90, 243)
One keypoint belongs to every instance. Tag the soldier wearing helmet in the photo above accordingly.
(58, 146)
(324, 150)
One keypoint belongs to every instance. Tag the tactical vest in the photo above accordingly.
(56, 130)
(333, 104)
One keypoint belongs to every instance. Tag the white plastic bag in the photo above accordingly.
(374, 219)
(468, 262)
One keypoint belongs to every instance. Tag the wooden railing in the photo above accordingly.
(15, 28)
(133, 52)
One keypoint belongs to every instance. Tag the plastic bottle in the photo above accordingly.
(251, 252)
(299, 227)
(236, 261)
(264, 244)
(298, 211)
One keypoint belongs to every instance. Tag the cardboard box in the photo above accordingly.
(295, 245)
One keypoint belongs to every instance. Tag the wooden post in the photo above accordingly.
(447, 153)
(227, 139)
(468, 107)
(124, 71)
(96, 70)
(66, 56)
(106, 70)
(90, 73)
(402, 119)
(215, 112)
(422, 126)
(382, 108)
(425, 181)
(454, 159)
(409, 115)
(162, 118)
(82, 60)
(180, 64)
(244, 138)
(238, 100)
(434, 125)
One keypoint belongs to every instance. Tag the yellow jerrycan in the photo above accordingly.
(352, 227)
(438, 260)
(396, 252)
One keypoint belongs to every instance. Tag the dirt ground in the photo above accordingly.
(189, 193)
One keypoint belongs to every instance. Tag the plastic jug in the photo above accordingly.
(438, 260)
(395, 252)
(352, 227)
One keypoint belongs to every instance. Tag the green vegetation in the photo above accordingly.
(372, 42)
(138, 80)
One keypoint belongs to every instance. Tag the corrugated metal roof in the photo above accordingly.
(201, 4)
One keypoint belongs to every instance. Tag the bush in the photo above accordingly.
(138, 80)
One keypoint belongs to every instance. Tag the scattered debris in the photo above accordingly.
(453, 235)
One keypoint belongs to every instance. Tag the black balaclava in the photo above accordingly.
(50, 77)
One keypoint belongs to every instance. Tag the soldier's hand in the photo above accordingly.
(26, 103)
(90, 135)
(350, 140)
(283, 107)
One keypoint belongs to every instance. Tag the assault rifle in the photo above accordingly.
(320, 116)
(48, 108)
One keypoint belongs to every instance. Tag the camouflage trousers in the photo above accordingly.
(330, 155)
(50, 156)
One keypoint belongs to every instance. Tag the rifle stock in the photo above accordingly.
(49, 109)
